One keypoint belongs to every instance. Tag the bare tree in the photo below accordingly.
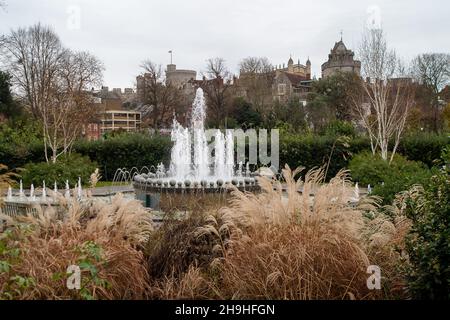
(256, 75)
(70, 106)
(433, 71)
(53, 82)
(164, 98)
(216, 84)
(32, 56)
(388, 95)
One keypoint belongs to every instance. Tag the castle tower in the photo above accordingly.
(340, 59)
(308, 69)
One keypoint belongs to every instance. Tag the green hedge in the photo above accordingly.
(138, 150)
(423, 147)
(126, 151)
(311, 151)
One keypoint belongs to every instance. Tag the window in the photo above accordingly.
(281, 88)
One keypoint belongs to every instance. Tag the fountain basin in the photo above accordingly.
(151, 190)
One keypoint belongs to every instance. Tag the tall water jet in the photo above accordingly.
(190, 155)
(180, 165)
(220, 155)
(201, 160)
(229, 143)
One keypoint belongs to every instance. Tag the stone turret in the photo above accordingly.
(340, 59)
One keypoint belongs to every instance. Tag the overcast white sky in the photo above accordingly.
(123, 33)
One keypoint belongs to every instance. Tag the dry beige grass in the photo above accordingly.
(105, 237)
(269, 245)
(294, 246)
(297, 246)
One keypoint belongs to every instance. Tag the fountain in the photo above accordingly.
(192, 169)
(20, 203)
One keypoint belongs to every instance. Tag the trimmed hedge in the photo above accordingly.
(423, 147)
(312, 151)
(126, 151)
(138, 150)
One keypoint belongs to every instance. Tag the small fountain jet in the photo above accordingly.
(9, 194)
(32, 196)
(67, 193)
(79, 189)
(44, 191)
(21, 193)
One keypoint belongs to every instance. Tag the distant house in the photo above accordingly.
(291, 82)
(111, 114)
(288, 86)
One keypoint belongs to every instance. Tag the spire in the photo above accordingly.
(342, 33)
(290, 62)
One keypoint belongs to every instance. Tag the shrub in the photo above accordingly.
(70, 167)
(339, 128)
(428, 242)
(397, 176)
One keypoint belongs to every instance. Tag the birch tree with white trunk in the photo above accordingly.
(388, 94)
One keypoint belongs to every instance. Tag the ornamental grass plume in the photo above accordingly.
(102, 239)
(296, 245)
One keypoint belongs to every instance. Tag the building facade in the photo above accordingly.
(111, 114)
(297, 69)
(340, 59)
(282, 82)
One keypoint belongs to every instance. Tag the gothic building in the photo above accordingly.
(292, 82)
(340, 59)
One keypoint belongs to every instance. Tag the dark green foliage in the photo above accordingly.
(8, 107)
(397, 176)
(333, 95)
(424, 147)
(69, 167)
(339, 128)
(126, 151)
(245, 115)
(311, 151)
(428, 243)
(20, 142)
(290, 115)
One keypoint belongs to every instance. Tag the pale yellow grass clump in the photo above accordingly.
(49, 245)
(296, 246)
